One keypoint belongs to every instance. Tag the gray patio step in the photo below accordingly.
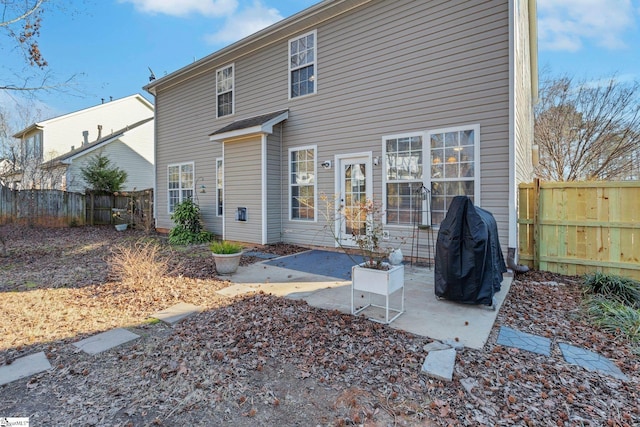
(574, 355)
(439, 364)
(590, 361)
(24, 367)
(524, 341)
(176, 313)
(105, 340)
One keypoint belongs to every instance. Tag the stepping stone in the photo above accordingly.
(512, 338)
(435, 346)
(262, 255)
(105, 340)
(591, 361)
(176, 313)
(24, 367)
(439, 364)
(235, 290)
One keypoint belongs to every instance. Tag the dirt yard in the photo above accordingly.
(264, 361)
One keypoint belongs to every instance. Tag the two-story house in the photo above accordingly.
(53, 151)
(353, 99)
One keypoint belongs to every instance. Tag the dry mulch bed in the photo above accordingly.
(264, 360)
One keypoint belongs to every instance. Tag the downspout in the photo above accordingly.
(513, 215)
(281, 184)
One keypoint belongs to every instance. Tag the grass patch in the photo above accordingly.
(613, 303)
(615, 288)
(614, 316)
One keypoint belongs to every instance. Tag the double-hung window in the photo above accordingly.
(32, 148)
(224, 91)
(404, 178)
(455, 170)
(219, 187)
(180, 184)
(302, 183)
(302, 65)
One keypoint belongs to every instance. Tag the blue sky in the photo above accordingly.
(108, 45)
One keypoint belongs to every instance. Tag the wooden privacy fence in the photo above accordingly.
(131, 207)
(55, 208)
(49, 208)
(576, 228)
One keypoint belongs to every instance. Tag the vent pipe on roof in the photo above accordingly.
(85, 136)
(99, 132)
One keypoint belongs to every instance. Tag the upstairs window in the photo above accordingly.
(32, 148)
(302, 65)
(180, 184)
(224, 91)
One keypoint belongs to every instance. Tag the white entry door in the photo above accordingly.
(355, 182)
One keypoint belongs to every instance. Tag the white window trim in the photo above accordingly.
(421, 134)
(315, 182)
(315, 65)
(233, 89)
(219, 160)
(193, 168)
(476, 155)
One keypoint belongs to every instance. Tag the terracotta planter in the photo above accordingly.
(227, 263)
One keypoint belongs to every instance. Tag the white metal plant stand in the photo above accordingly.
(379, 282)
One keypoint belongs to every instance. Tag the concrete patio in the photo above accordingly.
(425, 315)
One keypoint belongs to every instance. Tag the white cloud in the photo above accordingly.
(564, 25)
(212, 8)
(248, 21)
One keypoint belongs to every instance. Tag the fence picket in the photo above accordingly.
(580, 227)
(56, 208)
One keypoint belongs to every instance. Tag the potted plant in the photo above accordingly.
(374, 274)
(226, 255)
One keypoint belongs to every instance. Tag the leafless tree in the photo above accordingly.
(588, 131)
(21, 20)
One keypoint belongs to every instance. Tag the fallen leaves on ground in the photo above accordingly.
(264, 360)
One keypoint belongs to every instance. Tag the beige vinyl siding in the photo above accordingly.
(387, 67)
(275, 186)
(243, 188)
(524, 103)
(185, 117)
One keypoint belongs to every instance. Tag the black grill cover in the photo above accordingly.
(469, 262)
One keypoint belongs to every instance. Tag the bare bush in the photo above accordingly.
(139, 264)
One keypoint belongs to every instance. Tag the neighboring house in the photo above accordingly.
(6, 171)
(354, 99)
(130, 149)
(42, 142)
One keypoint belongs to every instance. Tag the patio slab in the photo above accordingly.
(24, 367)
(425, 315)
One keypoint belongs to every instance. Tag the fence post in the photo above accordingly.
(91, 208)
(536, 225)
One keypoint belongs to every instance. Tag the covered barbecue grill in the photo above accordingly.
(468, 263)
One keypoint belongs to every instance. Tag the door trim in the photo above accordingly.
(339, 160)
